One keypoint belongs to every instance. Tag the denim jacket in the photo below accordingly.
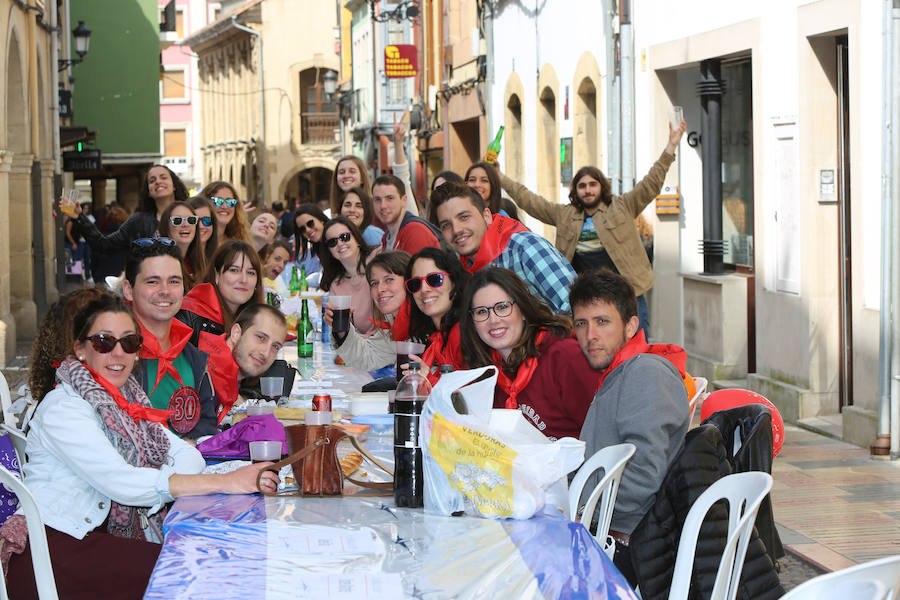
(74, 471)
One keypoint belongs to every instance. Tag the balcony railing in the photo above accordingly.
(319, 127)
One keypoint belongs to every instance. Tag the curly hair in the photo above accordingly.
(537, 316)
(237, 227)
(420, 325)
(595, 173)
(148, 204)
(55, 338)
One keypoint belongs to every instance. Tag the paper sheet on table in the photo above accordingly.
(304, 541)
(352, 586)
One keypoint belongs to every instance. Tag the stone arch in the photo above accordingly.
(513, 121)
(548, 134)
(303, 163)
(587, 118)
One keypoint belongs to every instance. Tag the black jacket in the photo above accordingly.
(139, 225)
(207, 425)
(654, 543)
(754, 422)
(199, 324)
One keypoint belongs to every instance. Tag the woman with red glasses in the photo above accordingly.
(435, 281)
(161, 187)
(541, 369)
(180, 223)
(229, 212)
(344, 255)
(103, 467)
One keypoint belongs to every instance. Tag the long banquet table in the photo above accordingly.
(361, 547)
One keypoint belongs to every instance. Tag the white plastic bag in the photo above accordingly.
(485, 462)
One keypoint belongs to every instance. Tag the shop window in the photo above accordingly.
(737, 163)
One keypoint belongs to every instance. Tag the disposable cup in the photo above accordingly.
(676, 117)
(271, 387)
(265, 451)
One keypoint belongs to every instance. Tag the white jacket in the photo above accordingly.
(366, 352)
(73, 470)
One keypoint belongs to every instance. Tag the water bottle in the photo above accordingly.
(412, 391)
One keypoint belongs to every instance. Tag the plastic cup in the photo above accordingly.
(271, 387)
(404, 349)
(340, 305)
(265, 451)
(676, 117)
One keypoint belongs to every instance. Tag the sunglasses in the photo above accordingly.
(309, 224)
(344, 238)
(150, 242)
(105, 343)
(229, 202)
(501, 309)
(177, 221)
(206, 221)
(434, 281)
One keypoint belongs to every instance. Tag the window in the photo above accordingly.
(318, 114)
(737, 163)
(174, 142)
(172, 85)
(179, 21)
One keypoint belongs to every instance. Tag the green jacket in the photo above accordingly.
(614, 223)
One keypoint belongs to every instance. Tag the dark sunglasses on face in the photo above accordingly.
(434, 281)
(206, 221)
(309, 224)
(344, 238)
(230, 202)
(501, 309)
(177, 221)
(105, 343)
(149, 242)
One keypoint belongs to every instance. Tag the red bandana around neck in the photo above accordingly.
(493, 243)
(134, 410)
(400, 327)
(523, 375)
(179, 335)
(638, 345)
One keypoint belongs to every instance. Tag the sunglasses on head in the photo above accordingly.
(229, 202)
(343, 238)
(105, 343)
(206, 221)
(150, 242)
(177, 221)
(434, 280)
(309, 224)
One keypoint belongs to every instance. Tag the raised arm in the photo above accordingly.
(401, 165)
(538, 207)
(648, 188)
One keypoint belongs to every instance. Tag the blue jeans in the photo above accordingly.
(643, 314)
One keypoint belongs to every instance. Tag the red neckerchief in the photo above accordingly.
(523, 375)
(203, 301)
(400, 327)
(440, 353)
(493, 243)
(223, 370)
(133, 409)
(638, 345)
(179, 335)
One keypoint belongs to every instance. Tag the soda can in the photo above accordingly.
(322, 402)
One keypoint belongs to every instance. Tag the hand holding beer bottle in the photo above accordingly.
(493, 150)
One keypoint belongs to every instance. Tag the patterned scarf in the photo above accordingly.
(141, 444)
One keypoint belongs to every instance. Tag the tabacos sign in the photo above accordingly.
(400, 60)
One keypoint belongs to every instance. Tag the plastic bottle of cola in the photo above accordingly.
(412, 391)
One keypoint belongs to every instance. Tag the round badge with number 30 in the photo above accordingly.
(185, 407)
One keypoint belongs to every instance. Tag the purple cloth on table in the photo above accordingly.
(235, 442)
(8, 501)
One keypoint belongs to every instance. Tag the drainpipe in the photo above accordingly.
(262, 109)
(55, 55)
(626, 45)
(882, 445)
(488, 8)
(895, 244)
(612, 94)
(710, 88)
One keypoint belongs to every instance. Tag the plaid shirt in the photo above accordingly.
(541, 266)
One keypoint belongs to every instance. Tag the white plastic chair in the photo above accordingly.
(612, 460)
(6, 402)
(700, 385)
(744, 492)
(18, 440)
(875, 580)
(37, 540)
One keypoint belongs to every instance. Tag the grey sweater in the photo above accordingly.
(642, 401)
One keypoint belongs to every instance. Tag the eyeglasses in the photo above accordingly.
(150, 242)
(230, 202)
(177, 221)
(309, 224)
(206, 221)
(105, 343)
(501, 309)
(434, 281)
(344, 238)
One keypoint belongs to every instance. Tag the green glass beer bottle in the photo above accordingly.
(304, 286)
(306, 333)
(295, 281)
(493, 150)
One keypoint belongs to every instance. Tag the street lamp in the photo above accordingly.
(409, 10)
(329, 82)
(82, 37)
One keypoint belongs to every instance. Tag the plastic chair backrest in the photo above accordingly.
(37, 538)
(18, 440)
(700, 385)
(6, 402)
(744, 492)
(612, 460)
(875, 580)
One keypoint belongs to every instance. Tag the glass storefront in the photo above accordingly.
(737, 163)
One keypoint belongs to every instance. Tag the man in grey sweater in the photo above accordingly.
(641, 397)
